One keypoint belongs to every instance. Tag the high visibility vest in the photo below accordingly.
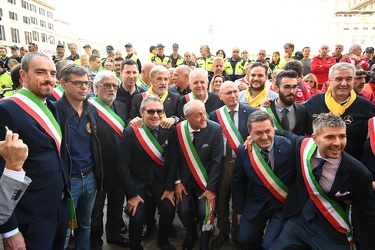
(206, 63)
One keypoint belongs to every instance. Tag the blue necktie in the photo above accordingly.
(308, 210)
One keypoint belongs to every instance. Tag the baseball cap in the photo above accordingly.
(175, 46)
(60, 45)
(14, 47)
(128, 45)
(109, 48)
(160, 45)
(298, 55)
(370, 49)
(87, 46)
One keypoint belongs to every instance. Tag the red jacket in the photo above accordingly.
(320, 67)
(360, 63)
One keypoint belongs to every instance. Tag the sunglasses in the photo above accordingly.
(153, 111)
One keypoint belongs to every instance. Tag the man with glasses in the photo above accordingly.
(112, 117)
(147, 162)
(233, 120)
(33, 47)
(342, 100)
(81, 148)
(117, 68)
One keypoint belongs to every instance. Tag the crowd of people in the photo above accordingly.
(279, 153)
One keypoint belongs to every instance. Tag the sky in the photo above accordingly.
(250, 25)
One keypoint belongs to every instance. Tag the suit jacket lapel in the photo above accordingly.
(201, 139)
(273, 108)
(242, 121)
(342, 176)
(166, 103)
(119, 110)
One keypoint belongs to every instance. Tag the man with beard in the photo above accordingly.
(117, 68)
(359, 85)
(257, 91)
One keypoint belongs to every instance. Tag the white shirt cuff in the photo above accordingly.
(176, 182)
(16, 175)
(10, 234)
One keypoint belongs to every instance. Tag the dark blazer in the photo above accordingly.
(243, 112)
(213, 103)
(170, 104)
(137, 169)
(109, 142)
(44, 166)
(250, 203)
(301, 118)
(351, 177)
(209, 147)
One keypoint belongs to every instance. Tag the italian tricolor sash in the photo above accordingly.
(113, 120)
(268, 177)
(58, 92)
(332, 211)
(34, 106)
(149, 143)
(229, 128)
(371, 129)
(269, 111)
(191, 155)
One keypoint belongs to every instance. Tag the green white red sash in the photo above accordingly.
(113, 120)
(332, 211)
(58, 92)
(275, 121)
(189, 97)
(191, 155)
(149, 143)
(229, 128)
(371, 129)
(34, 106)
(268, 177)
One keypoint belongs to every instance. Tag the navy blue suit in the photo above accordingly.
(42, 202)
(251, 204)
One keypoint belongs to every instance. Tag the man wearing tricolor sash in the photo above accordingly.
(234, 132)
(147, 161)
(257, 90)
(112, 115)
(198, 81)
(261, 180)
(199, 167)
(331, 199)
(43, 206)
(368, 157)
(342, 100)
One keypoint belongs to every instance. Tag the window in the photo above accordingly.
(15, 35)
(355, 28)
(34, 20)
(2, 33)
(44, 37)
(42, 12)
(1, 12)
(13, 15)
(33, 8)
(26, 19)
(28, 38)
(35, 36)
(50, 26)
(25, 4)
(363, 41)
(12, 1)
(365, 28)
(51, 39)
(49, 14)
(42, 23)
(346, 28)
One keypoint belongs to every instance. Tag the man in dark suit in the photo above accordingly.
(287, 114)
(43, 207)
(229, 95)
(198, 81)
(199, 158)
(143, 165)
(159, 77)
(328, 180)
(112, 115)
(261, 179)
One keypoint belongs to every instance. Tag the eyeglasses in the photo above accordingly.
(153, 111)
(79, 84)
(109, 85)
(288, 88)
(229, 93)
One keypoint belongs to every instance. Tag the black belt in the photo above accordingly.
(82, 174)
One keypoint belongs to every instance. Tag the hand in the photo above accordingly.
(178, 190)
(133, 204)
(286, 56)
(169, 195)
(15, 242)
(14, 151)
(238, 219)
(266, 102)
(136, 121)
(373, 185)
(242, 86)
(210, 196)
(248, 144)
(167, 122)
